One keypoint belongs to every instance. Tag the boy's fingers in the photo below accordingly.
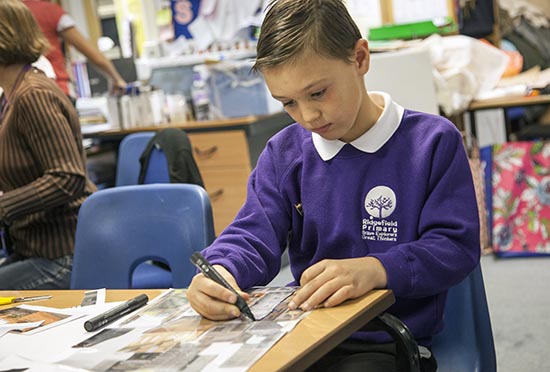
(218, 310)
(212, 300)
(303, 297)
(217, 291)
(312, 272)
(337, 297)
(314, 296)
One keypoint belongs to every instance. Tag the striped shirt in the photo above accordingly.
(42, 169)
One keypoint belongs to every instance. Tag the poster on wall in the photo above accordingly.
(183, 13)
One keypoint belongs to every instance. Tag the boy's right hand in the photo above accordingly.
(213, 301)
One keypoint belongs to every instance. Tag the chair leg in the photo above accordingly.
(407, 354)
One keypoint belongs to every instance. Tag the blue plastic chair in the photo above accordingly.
(466, 343)
(120, 228)
(147, 275)
(128, 165)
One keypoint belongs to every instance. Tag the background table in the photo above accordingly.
(503, 103)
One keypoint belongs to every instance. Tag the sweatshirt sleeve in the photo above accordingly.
(251, 247)
(59, 165)
(448, 247)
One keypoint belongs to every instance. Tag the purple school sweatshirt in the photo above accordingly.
(410, 203)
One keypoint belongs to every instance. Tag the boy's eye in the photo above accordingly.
(288, 103)
(318, 94)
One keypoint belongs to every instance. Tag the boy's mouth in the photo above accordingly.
(323, 129)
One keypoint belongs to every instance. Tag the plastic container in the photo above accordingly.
(236, 91)
(200, 96)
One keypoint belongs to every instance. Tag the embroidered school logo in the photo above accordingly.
(380, 203)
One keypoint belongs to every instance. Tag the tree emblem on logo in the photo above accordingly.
(380, 202)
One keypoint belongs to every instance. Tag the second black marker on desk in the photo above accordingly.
(204, 266)
(115, 313)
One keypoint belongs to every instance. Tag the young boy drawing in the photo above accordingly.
(364, 193)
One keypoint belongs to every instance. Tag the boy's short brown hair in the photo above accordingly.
(292, 27)
(21, 40)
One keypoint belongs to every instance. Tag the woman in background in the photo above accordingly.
(58, 26)
(42, 161)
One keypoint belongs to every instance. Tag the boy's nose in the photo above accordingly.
(310, 114)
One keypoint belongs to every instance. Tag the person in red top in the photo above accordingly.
(58, 26)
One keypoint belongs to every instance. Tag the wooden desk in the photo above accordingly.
(313, 337)
(258, 129)
(504, 102)
(225, 152)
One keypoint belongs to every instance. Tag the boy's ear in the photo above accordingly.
(362, 55)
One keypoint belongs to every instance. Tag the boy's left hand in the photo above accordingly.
(330, 282)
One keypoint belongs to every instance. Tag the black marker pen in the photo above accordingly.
(115, 313)
(204, 266)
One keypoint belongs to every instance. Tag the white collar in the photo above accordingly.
(373, 139)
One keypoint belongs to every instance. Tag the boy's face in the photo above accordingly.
(324, 95)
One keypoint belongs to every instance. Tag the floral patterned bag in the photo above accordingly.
(478, 171)
(521, 199)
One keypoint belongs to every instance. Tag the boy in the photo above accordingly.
(364, 193)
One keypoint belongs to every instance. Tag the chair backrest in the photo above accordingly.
(128, 165)
(119, 228)
(466, 343)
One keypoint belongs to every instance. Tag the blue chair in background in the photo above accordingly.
(466, 343)
(122, 227)
(129, 172)
(147, 275)
(128, 165)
